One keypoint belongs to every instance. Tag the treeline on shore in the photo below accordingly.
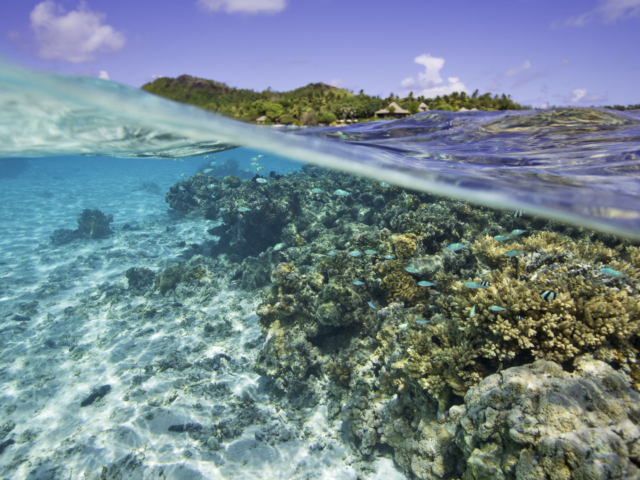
(622, 108)
(310, 105)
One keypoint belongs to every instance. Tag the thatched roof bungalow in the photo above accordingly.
(423, 107)
(398, 111)
(261, 119)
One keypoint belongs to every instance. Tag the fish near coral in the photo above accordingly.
(456, 247)
(610, 272)
(548, 295)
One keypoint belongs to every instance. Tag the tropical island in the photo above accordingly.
(316, 103)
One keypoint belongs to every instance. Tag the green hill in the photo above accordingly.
(309, 105)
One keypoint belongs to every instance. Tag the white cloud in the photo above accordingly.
(518, 69)
(72, 37)
(565, 62)
(432, 67)
(408, 82)
(103, 75)
(580, 97)
(337, 82)
(454, 85)
(430, 80)
(244, 6)
(609, 11)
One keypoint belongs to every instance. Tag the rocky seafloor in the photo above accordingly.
(328, 323)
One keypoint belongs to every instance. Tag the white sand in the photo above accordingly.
(86, 330)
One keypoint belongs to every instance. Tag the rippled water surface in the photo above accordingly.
(576, 165)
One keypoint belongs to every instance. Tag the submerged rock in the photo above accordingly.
(140, 279)
(97, 394)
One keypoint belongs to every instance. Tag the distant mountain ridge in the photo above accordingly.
(309, 105)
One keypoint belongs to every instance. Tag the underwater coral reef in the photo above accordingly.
(406, 314)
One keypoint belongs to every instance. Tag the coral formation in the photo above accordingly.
(541, 422)
(347, 323)
(92, 224)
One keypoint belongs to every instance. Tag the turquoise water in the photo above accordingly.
(574, 165)
(186, 297)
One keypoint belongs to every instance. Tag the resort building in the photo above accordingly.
(423, 107)
(398, 111)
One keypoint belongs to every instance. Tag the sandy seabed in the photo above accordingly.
(159, 389)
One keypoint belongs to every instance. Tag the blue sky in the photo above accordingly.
(541, 52)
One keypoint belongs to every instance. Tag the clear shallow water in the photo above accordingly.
(185, 397)
(575, 165)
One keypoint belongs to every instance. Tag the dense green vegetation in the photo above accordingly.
(310, 105)
(622, 108)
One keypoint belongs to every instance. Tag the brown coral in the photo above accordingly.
(405, 245)
(398, 285)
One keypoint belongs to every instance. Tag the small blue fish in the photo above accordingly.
(213, 196)
(455, 247)
(355, 253)
(513, 253)
(182, 189)
(384, 185)
(412, 270)
(341, 193)
(424, 283)
(501, 238)
(474, 285)
(357, 283)
(244, 209)
(279, 246)
(222, 209)
(516, 232)
(370, 252)
(331, 253)
(389, 257)
(610, 272)
(402, 326)
(422, 321)
(472, 312)
(372, 305)
(548, 295)
(495, 308)
(317, 190)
